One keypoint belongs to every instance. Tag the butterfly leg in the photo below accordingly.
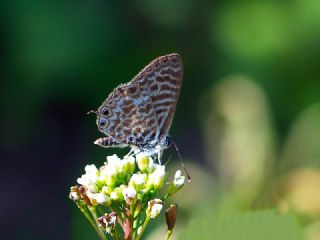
(109, 142)
(160, 155)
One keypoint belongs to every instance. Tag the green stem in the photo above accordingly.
(144, 226)
(168, 235)
(165, 197)
(134, 227)
(85, 212)
(119, 218)
(115, 235)
(98, 229)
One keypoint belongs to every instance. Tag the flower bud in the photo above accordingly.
(138, 180)
(128, 165)
(90, 177)
(176, 184)
(137, 209)
(154, 207)
(109, 175)
(99, 198)
(130, 195)
(171, 215)
(143, 161)
(156, 179)
(116, 195)
(113, 161)
(107, 190)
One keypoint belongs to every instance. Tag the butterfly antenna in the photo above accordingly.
(180, 159)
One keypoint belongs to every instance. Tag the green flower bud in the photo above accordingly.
(116, 195)
(107, 190)
(109, 174)
(143, 162)
(156, 179)
(128, 165)
(138, 181)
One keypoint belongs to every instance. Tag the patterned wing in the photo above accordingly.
(163, 79)
(127, 115)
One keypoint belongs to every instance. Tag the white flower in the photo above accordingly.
(129, 195)
(90, 177)
(114, 196)
(154, 207)
(114, 161)
(178, 180)
(91, 169)
(117, 195)
(155, 210)
(176, 184)
(98, 198)
(138, 180)
(101, 198)
(109, 174)
(127, 165)
(156, 178)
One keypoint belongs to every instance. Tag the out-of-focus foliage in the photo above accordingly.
(249, 226)
(297, 153)
(234, 127)
(247, 119)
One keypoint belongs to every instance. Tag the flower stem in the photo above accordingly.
(97, 228)
(119, 218)
(144, 226)
(86, 212)
(168, 235)
(134, 227)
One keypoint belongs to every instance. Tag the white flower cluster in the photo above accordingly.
(128, 181)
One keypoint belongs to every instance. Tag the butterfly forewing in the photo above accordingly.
(163, 79)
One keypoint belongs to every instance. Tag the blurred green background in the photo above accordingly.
(247, 122)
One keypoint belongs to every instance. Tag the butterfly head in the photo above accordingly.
(103, 118)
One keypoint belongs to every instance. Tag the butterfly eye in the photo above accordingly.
(105, 112)
(102, 123)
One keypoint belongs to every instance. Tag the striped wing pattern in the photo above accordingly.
(163, 78)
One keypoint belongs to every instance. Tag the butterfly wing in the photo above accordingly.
(141, 112)
(127, 116)
(163, 79)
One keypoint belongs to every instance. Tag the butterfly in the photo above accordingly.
(139, 113)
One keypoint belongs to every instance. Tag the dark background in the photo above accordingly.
(60, 59)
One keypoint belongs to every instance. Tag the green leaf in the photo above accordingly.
(259, 225)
